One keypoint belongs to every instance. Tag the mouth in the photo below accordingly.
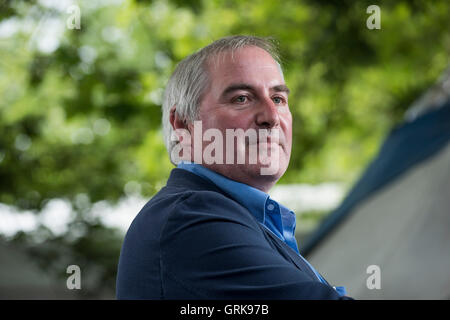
(267, 142)
(270, 141)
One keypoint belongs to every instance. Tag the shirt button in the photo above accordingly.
(270, 207)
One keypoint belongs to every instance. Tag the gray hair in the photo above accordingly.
(190, 79)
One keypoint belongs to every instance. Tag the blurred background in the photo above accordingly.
(81, 147)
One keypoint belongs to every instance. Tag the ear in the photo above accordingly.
(175, 120)
(181, 129)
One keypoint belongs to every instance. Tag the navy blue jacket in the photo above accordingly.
(192, 241)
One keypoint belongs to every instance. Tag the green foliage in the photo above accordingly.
(85, 118)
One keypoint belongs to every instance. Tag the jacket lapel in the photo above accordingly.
(289, 254)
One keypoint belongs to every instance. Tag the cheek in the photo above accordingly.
(230, 120)
(287, 126)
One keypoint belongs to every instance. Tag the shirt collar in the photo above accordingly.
(251, 198)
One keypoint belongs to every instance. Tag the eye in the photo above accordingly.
(278, 100)
(241, 99)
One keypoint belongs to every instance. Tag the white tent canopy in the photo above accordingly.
(397, 216)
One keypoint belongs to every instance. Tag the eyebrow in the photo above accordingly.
(281, 88)
(245, 86)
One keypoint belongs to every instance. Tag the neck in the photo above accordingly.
(246, 174)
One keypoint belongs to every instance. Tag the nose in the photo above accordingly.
(267, 116)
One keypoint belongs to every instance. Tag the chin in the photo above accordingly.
(271, 171)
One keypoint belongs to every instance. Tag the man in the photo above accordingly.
(213, 232)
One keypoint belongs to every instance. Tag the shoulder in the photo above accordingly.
(175, 208)
(207, 206)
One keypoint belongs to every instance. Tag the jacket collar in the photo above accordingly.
(180, 178)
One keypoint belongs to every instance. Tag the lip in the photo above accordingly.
(268, 140)
(270, 144)
(265, 142)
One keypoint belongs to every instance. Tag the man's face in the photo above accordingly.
(247, 91)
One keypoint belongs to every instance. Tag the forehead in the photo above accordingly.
(248, 64)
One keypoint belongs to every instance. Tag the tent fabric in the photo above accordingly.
(395, 244)
(406, 146)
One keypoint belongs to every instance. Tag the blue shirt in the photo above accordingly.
(272, 215)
